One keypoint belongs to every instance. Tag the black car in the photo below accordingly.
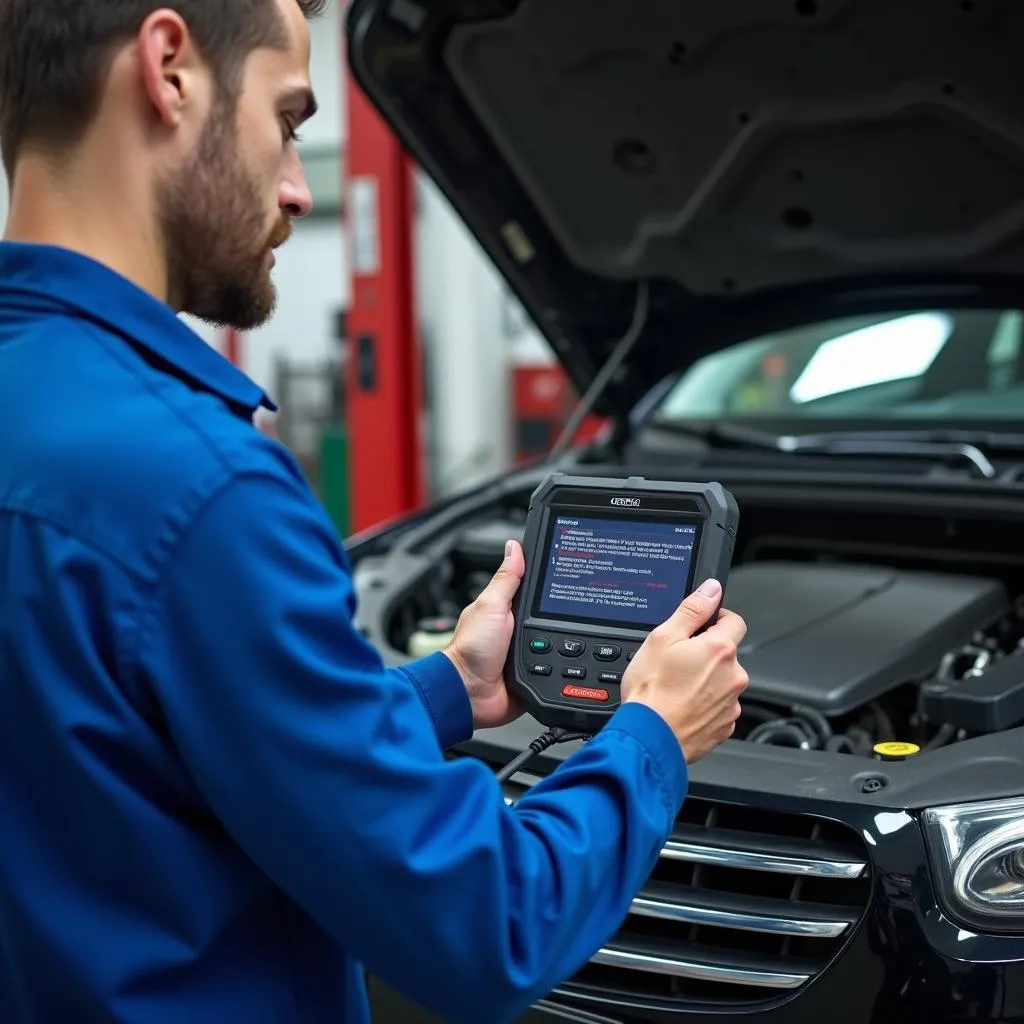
(778, 244)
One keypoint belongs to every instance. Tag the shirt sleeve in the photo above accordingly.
(444, 695)
(326, 769)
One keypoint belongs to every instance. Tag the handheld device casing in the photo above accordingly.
(565, 670)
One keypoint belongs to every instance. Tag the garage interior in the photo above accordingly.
(408, 374)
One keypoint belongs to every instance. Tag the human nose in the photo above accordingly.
(295, 198)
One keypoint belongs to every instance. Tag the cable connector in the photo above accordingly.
(537, 746)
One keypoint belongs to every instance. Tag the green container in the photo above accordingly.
(333, 474)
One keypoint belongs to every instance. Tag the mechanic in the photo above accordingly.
(216, 803)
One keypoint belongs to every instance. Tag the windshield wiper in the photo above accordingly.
(936, 444)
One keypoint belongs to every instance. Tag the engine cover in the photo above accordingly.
(835, 637)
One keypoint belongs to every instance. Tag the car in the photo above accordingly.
(777, 244)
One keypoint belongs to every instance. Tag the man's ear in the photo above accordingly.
(170, 65)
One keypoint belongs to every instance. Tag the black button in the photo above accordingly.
(574, 673)
(573, 648)
(540, 645)
(629, 657)
(540, 670)
(607, 652)
(609, 677)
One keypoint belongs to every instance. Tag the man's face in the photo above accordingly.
(232, 203)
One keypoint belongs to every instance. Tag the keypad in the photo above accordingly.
(553, 655)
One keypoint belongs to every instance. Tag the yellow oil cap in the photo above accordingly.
(896, 751)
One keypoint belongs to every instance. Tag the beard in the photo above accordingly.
(212, 219)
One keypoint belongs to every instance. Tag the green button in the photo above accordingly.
(540, 645)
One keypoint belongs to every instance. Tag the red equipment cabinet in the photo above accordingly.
(384, 372)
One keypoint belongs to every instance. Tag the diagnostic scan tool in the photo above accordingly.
(607, 560)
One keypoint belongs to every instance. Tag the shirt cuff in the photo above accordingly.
(444, 695)
(649, 729)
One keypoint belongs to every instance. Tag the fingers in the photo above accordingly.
(505, 582)
(697, 609)
(729, 625)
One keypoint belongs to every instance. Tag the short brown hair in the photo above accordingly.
(54, 55)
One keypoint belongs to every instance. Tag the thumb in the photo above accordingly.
(695, 612)
(505, 582)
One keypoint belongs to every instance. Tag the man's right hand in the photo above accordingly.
(693, 681)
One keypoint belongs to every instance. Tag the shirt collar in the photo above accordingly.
(62, 278)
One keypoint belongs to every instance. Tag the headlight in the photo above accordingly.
(978, 851)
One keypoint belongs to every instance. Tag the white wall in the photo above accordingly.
(329, 127)
(459, 297)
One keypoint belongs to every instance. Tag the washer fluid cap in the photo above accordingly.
(896, 751)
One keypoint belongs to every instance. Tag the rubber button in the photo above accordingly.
(573, 648)
(540, 645)
(574, 673)
(584, 693)
(607, 652)
(540, 670)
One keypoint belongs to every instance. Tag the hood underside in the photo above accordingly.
(757, 163)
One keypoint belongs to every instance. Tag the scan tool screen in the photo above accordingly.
(629, 572)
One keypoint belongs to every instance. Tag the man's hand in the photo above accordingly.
(693, 680)
(480, 644)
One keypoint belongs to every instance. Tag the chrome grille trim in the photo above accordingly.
(754, 860)
(768, 924)
(697, 970)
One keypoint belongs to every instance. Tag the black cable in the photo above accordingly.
(886, 732)
(540, 744)
(817, 720)
(772, 733)
(945, 733)
(605, 374)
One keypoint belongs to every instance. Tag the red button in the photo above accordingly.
(584, 692)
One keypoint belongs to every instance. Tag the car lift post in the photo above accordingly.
(384, 375)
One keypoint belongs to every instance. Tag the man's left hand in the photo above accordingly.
(480, 644)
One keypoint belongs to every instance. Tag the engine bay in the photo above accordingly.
(868, 622)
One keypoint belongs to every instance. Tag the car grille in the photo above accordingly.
(744, 907)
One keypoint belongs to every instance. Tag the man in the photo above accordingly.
(215, 804)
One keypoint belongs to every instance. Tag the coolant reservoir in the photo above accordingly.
(431, 635)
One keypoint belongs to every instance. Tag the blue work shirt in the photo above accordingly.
(215, 801)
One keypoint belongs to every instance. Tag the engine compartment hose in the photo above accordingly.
(782, 733)
(840, 745)
(817, 719)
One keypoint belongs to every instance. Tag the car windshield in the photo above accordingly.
(929, 365)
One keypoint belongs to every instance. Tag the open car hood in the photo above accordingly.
(757, 163)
